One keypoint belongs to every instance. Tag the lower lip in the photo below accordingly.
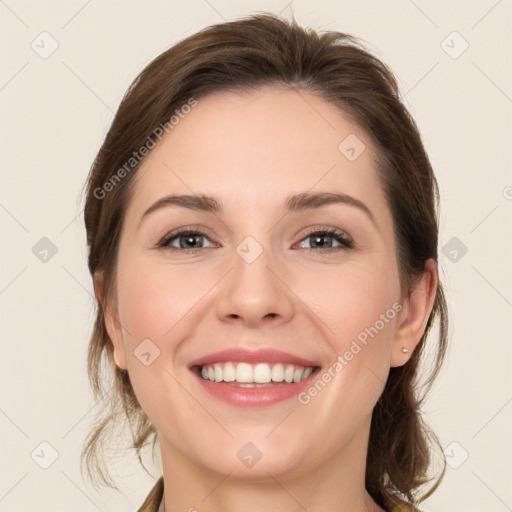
(255, 397)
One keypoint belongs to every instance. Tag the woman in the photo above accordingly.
(262, 227)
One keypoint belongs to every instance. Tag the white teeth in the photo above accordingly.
(218, 372)
(261, 373)
(229, 372)
(288, 373)
(277, 373)
(297, 375)
(244, 373)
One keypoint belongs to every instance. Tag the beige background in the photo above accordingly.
(55, 113)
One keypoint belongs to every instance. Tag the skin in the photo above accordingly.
(251, 151)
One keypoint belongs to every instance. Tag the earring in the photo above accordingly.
(405, 350)
(115, 359)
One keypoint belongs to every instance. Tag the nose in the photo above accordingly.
(255, 294)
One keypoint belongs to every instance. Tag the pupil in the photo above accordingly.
(190, 239)
(321, 243)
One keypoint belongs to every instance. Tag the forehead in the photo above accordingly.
(254, 148)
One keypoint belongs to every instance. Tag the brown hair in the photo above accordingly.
(243, 55)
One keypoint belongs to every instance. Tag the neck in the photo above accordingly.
(338, 484)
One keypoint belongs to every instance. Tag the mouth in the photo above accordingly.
(254, 375)
(253, 378)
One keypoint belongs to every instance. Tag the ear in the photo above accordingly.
(414, 316)
(112, 325)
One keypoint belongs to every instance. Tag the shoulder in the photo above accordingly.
(154, 498)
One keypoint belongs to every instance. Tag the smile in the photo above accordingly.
(250, 378)
(255, 375)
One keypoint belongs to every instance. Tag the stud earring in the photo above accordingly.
(405, 350)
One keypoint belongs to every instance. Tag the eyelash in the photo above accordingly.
(337, 235)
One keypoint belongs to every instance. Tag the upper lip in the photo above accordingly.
(242, 355)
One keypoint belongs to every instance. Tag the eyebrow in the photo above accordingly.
(294, 203)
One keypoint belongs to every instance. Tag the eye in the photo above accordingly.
(186, 240)
(327, 239)
(321, 240)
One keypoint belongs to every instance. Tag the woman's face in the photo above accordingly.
(278, 274)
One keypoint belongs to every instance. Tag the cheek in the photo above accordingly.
(351, 298)
(155, 303)
(154, 299)
(357, 307)
(360, 312)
